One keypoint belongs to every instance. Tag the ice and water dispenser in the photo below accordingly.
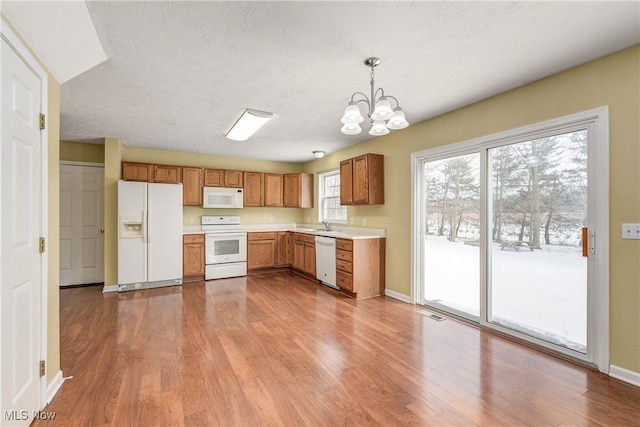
(130, 227)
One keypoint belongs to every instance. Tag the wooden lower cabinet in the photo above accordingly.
(192, 257)
(304, 253)
(261, 251)
(360, 267)
(360, 263)
(283, 246)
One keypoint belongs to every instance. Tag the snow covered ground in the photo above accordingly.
(541, 292)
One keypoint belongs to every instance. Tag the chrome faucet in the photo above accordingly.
(326, 225)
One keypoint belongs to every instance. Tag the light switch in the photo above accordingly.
(631, 231)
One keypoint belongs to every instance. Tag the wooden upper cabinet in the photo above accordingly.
(192, 186)
(298, 190)
(222, 178)
(273, 188)
(213, 177)
(233, 179)
(346, 182)
(166, 174)
(253, 189)
(137, 171)
(362, 180)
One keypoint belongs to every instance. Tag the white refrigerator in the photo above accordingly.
(149, 235)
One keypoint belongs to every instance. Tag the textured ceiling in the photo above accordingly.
(179, 74)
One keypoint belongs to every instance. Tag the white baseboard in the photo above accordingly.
(110, 288)
(398, 296)
(625, 375)
(54, 386)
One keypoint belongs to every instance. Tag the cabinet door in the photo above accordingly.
(298, 255)
(233, 179)
(346, 182)
(360, 179)
(165, 174)
(310, 258)
(253, 189)
(273, 189)
(213, 177)
(136, 171)
(261, 254)
(292, 190)
(298, 190)
(283, 250)
(191, 186)
(193, 255)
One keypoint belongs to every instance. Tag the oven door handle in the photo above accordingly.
(225, 235)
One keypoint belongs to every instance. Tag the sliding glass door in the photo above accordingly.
(452, 234)
(505, 230)
(538, 207)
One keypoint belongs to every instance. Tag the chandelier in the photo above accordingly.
(379, 110)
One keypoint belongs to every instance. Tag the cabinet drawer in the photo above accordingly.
(343, 280)
(344, 255)
(345, 245)
(193, 238)
(344, 265)
(308, 238)
(261, 236)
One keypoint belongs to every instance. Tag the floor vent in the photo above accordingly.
(432, 315)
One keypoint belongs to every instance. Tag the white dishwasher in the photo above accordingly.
(326, 260)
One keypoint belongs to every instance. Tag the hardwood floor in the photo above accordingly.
(277, 349)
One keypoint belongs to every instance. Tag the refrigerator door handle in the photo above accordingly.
(145, 229)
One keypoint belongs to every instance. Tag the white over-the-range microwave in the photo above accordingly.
(222, 197)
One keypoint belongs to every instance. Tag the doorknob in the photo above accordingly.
(102, 230)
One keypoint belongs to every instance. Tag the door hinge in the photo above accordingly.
(42, 370)
(42, 245)
(43, 122)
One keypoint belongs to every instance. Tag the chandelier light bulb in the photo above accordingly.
(378, 128)
(351, 129)
(352, 115)
(397, 120)
(383, 110)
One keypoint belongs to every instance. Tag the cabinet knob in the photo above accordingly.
(102, 230)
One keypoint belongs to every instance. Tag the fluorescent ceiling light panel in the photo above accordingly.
(248, 123)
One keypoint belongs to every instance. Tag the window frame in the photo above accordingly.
(322, 199)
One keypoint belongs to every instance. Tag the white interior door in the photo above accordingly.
(21, 261)
(81, 224)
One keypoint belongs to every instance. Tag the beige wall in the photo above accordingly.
(612, 81)
(53, 308)
(80, 152)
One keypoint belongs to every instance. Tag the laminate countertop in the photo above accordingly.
(341, 232)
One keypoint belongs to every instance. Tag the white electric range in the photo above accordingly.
(225, 246)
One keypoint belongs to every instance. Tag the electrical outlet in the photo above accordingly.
(631, 231)
(351, 221)
(193, 220)
(364, 221)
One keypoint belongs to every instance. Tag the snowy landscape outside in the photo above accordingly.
(537, 278)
